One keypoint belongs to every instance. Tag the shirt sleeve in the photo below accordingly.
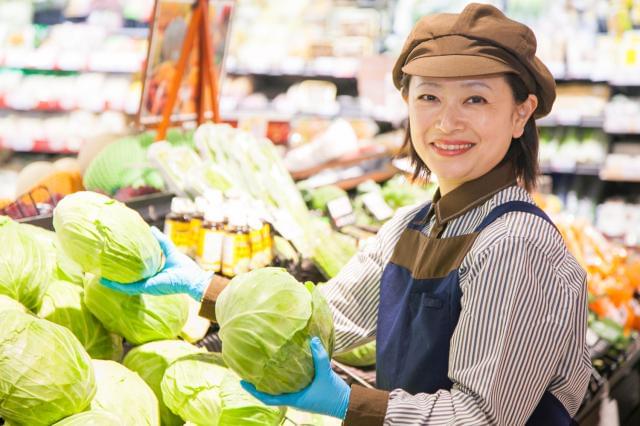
(354, 293)
(513, 332)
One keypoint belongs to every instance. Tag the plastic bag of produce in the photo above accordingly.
(45, 373)
(63, 304)
(151, 360)
(266, 319)
(201, 390)
(139, 319)
(123, 393)
(25, 269)
(106, 237)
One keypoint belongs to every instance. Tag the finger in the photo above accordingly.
(321, 360)
(165, 243)
(265, 398)
(133, 288)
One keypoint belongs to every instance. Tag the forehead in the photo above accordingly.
(493, 82)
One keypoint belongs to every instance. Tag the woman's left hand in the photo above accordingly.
(327, 394)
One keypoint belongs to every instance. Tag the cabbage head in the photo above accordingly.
(362, 356)
(63, 304)
(267, 319)
(140, 318)
(25, 265)
(123, 393)
(7, 303)
(91, 418)
(106, 237)
(151, 360)
(45, 373)
(202, 391)
(196, 327)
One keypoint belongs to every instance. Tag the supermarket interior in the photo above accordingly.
(256, 134)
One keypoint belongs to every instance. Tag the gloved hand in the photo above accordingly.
(179, 275)
(327, 394)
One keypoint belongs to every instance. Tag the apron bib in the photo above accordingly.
(420, 306)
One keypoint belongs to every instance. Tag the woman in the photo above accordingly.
(478, 309)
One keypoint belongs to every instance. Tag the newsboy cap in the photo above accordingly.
(479, 41)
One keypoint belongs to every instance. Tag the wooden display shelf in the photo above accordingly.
(346, 161)
(378, 176)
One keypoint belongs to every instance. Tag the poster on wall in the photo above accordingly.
(168, 29)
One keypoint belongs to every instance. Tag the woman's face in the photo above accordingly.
(462, 127)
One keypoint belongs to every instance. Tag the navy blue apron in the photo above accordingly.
(417, 317)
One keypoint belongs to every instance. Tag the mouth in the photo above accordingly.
(451, 148)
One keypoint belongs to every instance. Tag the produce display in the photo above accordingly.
(266, 320)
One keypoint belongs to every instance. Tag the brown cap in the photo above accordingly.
(480, 40)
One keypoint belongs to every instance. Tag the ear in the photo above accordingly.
(523, 112)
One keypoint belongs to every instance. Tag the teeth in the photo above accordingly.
(453, 147)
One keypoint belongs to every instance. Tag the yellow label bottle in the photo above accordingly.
(267, 244)
(211, 242)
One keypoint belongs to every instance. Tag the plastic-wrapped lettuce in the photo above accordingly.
(7, 303)
(139, 319)
(26, 268)
(362, 356)
(106, 237)
(151, 360)
(266, 319)
(123, 393)
(63, 304)
(45, 373)
(91, 418)
(202, 391)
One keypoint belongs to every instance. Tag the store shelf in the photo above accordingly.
(41, 146)
(346, 161)
(581, 169)
(571, 121)
(378, 176)
(612, 177)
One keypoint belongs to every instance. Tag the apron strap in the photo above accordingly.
(513, 206)
(418, 220)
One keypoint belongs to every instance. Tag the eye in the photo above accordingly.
(428, 98)
(476, 100)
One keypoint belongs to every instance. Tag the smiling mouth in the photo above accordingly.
(449, 149)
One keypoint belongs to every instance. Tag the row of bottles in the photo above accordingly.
(221, 237)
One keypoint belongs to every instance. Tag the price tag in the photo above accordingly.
(374, 202)
(341, 212)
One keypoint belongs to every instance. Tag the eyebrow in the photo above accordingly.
(466, 84)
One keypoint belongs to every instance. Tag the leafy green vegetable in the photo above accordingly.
(7, 303)
(123, 393)
(91, 418)
(397, 192)
(151, 360)
(26, 266)
(63, 304)
(362, 356)
(140, 318)
(320, 197)
(45, 373)
(106, 237)
(266, 319)
(196, 326)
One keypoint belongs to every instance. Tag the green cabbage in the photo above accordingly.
(151, 360)
(196, 326)
(64, 305)
(299, 417)
(26, 266)
(266, 319)
(202, 391)
(45, 373)
(123, 393)
(139, 319)
(106, 237)
(7, 303)
(362, 356)
(91, 418)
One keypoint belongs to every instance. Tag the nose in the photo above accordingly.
(449, 119)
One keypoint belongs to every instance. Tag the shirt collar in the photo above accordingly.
(473, 193)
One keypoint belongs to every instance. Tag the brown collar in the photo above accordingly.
(473, 193)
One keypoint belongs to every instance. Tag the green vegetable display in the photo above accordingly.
(320, 197)
(106, 237)
(123, 393)
(45, 373)
(63, 304)
(362, 356)
(151, 360)
(26, 266)
(139, 319)
(7, 303)
(196, 326)
(202, 391)
(266, 319)
(91, 418)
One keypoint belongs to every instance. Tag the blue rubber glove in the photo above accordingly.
(179, 275)
(327, 394)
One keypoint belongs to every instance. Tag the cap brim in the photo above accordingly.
(455, 66)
